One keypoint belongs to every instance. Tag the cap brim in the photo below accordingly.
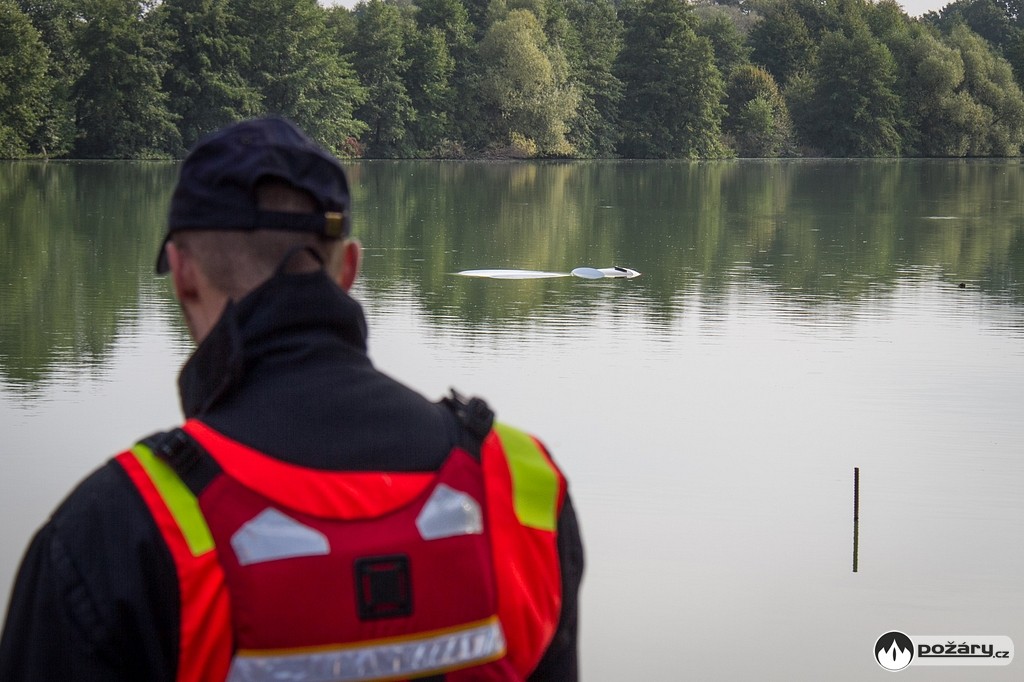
(162, 265)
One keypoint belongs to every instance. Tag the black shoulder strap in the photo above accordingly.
(475, 417)
(194, 465)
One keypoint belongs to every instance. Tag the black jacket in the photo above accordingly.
(284, 371)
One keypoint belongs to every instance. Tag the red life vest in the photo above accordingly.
(292, 573)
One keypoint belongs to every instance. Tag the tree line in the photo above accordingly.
(516, 78)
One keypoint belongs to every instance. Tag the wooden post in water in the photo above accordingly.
(856, 513)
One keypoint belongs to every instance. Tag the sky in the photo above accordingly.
(914, 8)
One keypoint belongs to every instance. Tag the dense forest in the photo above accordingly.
(516, 78)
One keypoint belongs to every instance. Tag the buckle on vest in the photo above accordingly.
(473, 413)
(383, 587)
(178, 450)
(189, 460)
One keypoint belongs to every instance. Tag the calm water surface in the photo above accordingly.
(794, 320)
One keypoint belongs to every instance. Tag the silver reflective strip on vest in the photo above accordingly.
(463, 648)
(449, 512)
(272, 535)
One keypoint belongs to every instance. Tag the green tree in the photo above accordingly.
(985, 17)
(729, 45)
(430, 92)
(23, 84)
(743, 15)
(757, 117)
(300, 72)
(591, 50)
(204, 82)
(1013, 50)
(935, 111)
(1000, 22)
(476, 10)
(381, 62)
(56, 21)
(672, 105)
(781, 42)
(828, 16)
(989, 80)
(499, 9)
(889, 23)
(341, 24)
(461, 105)
(120, 106)
(525, 85)
(853, 107)
(1014, 9)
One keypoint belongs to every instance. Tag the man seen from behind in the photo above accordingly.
(312, 519)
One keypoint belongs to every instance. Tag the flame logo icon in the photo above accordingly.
(894, 651)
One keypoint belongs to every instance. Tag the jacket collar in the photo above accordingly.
(287, 312)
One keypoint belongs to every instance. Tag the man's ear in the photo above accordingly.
(184, 273)
(201, 302)
(351, 257)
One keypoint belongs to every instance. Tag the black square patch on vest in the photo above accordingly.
(383, 587)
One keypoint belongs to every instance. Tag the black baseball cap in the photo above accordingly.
(216, 188)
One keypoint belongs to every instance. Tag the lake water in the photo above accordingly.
(794, 320)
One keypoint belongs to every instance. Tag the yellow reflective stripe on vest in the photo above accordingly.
(183, 505)
(534, 479)
(399, 658)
